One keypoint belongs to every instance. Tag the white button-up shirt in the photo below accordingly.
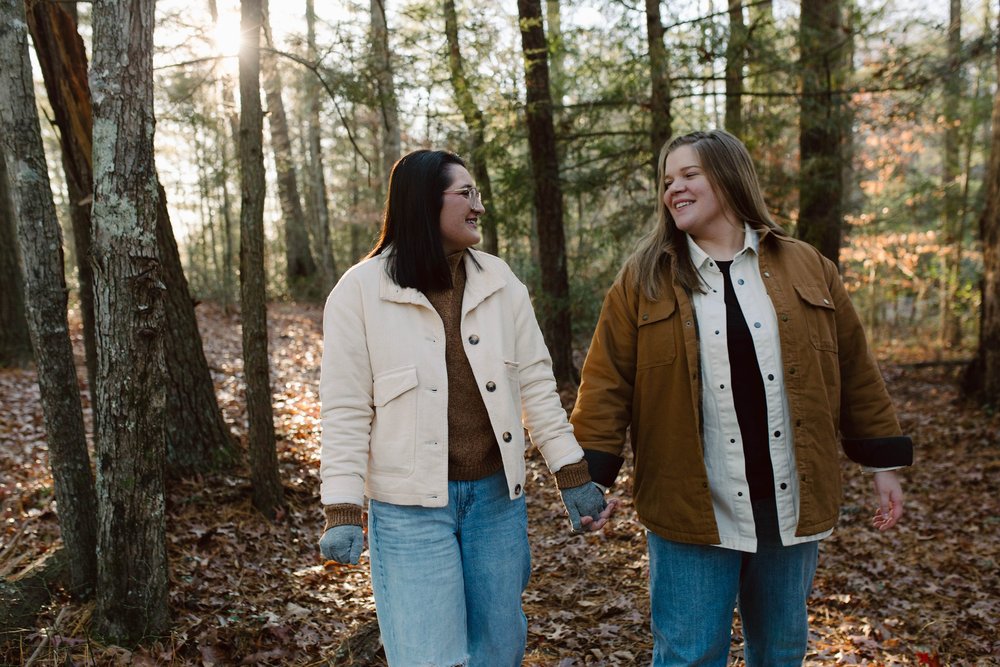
(723, 443)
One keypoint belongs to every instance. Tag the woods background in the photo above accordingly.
(128, 259)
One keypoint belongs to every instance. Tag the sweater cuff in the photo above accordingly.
(604, 467)
(342, 514)
(887, 452)
(574, 474)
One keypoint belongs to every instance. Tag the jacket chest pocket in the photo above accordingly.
(656, 343)
(394, 427)
(820, 315)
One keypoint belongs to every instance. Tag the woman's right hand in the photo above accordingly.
(342, 544)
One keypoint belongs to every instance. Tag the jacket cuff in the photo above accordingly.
(574, 474)
(604, 467)
(891, 452)
(343, 514)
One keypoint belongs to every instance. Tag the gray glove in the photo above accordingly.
(584, 500)
(342, 544)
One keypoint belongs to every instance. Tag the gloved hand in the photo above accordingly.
(342, 543)
(584, 500)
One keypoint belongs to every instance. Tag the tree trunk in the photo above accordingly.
(385, 92)
(300, 268)
(198, 438)
(659, 76)
(821, 125)
(473, 116)
(735, 57)
(554, 306)
(267, 490)
(129, 309)
(982, 377)
(557, 51)
(40, 243)
(951, 328)
(15, 339)
(319, 210)
(63, 60)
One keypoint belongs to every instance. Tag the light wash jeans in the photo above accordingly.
(448, 581)
(693, 589)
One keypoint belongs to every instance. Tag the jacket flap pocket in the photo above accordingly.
(656, 311)
(815, 295)
(391, 384)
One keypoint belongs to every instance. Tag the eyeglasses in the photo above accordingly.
(471, 193)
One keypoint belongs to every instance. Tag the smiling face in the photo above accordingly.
(459, 216)
(690, 198)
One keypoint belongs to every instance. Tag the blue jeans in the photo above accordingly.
(448, 581)
(694, 588)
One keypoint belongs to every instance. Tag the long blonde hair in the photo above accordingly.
(730, 171)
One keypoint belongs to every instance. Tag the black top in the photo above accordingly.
(748, 393)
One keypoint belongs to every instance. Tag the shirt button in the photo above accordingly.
(491, 386)
(722, 386)
(783, 486)
(756, 325)
(826, 301)
(716, 332)
(784, 317)
(733, 440)
(740, 281)
(474, 339)
(688, 323)
(777, 434)
(507, 437)
(770, 376)
(767, 274)
(739, 493)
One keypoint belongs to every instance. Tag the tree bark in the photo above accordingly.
(473, 116)
(385, 92)
(300, 267)
(821, 125)
(40, 242)
(267, 490)
(129, 310)
(659, 76)
(198, 438)
(63, 60)
(951, 325)
(554, 309)
(318, 208)
(982, 376)
(735, 59)
(15, 339)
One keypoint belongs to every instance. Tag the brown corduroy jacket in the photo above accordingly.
(642, 372)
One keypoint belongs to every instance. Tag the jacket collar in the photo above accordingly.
(480, 282)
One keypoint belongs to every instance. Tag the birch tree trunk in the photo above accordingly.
(659, 76)
(473, 116)
(40, 242)
(982, 377)
(319, 210)
(129, 308)
(555, 317)
(735, 58)
(300, 267)
(15, 339)
(385, 92)
(821, 125)
(267, 490)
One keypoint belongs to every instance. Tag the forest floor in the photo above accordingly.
(246, 591)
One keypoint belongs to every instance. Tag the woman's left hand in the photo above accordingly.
(890, 500)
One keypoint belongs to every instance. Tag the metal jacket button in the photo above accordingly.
(507, 437)
(491, 386)
(474, 339)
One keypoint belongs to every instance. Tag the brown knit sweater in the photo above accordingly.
(473, 452)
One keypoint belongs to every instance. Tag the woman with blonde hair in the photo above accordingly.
(734, 355)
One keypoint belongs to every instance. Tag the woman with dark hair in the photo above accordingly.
(734, 355)
(433, 364)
